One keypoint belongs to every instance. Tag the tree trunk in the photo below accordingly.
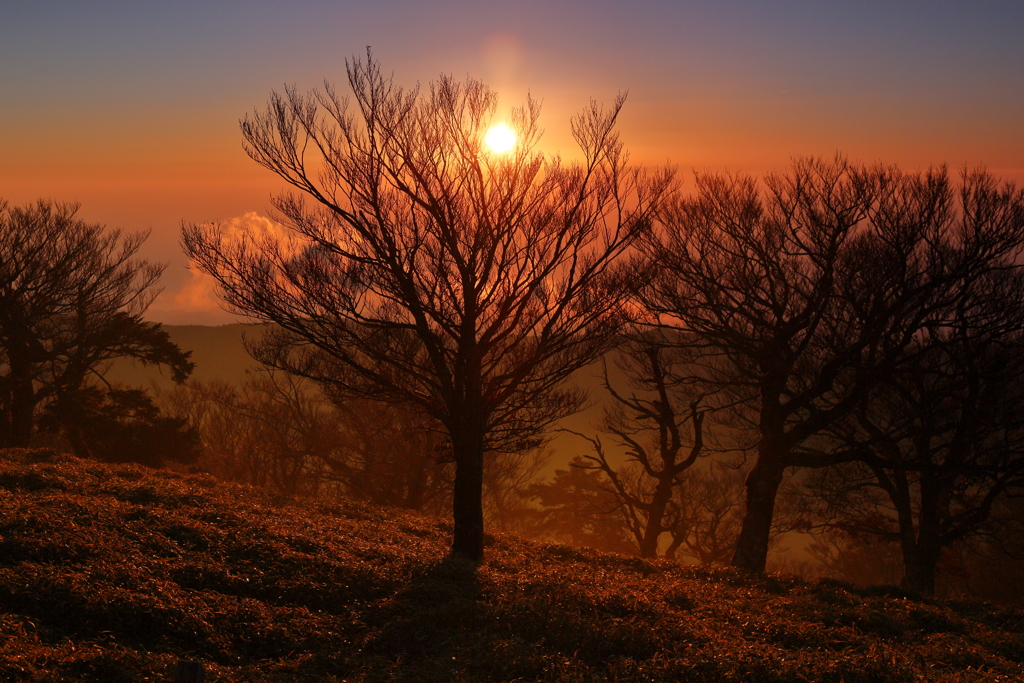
(670, 551)
(22, 412)
(77, 441)
(752, 545)
(416, 488)
(21, 395)
(467, 496)
(921, 551)
(919, 569)
(655, 515)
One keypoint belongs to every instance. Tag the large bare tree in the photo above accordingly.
(807, 291)
(421, 267)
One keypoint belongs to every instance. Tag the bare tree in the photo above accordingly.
(431, 271)
(651, 423)
(272, 431)
(707, 512)
(810, 289)
(943, 437)
(72, 296)
(866, 560)
(508, 482)
(392, 453)
(281, 432)
(989, 564)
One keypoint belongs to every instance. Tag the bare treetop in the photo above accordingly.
(428, 269)
(808, 292)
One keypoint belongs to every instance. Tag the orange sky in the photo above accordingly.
(132, 108)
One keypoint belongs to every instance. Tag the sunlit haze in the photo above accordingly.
(132, 109)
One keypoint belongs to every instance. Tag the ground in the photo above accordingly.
(114, 573)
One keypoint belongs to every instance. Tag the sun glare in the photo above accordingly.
(500, 138)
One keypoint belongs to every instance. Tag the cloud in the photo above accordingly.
(196, 295)
(196, 299)
(252, 224)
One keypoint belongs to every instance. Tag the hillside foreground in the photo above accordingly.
(114, 573)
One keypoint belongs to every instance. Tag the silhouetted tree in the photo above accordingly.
(508, 486)
(71, 299)
(121, 425)
(392, 453)
(991, 562)
(651, 423)
(942, 436)
(579, 507)
(863, 559)
(807, 292)
(273, 431)
(431, 271)
(281, 432)
(706, 514)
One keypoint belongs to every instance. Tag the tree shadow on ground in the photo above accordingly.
(435, 627)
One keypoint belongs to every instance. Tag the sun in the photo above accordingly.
(500, 138)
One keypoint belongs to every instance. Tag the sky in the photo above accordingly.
(132, 108)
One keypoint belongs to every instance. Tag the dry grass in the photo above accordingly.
(113, 573)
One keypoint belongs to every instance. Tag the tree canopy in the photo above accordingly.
(419, 266)
(805, 293)
(72, 295)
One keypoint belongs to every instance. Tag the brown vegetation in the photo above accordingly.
(113, 572)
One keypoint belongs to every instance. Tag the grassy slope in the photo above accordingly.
(112, 573)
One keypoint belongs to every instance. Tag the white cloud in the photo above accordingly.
(195, 300)
(251, 224)
(196, 295)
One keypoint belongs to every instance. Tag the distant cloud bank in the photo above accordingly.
(195, 302)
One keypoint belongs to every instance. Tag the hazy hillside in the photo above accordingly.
(113, 573)
(217, 352)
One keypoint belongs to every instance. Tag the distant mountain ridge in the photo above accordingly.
(217, 351)
(219, 354)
